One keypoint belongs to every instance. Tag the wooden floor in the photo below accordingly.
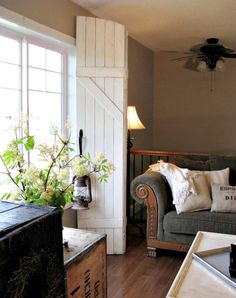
(135, 275)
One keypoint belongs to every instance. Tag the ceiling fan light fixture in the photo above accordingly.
(220, 65)
(202, 66)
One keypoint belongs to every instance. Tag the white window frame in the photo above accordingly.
(15, 25)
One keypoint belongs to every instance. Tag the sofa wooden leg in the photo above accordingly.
(152, 252)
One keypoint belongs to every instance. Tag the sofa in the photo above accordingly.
(165, 228)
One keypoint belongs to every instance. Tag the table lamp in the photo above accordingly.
(133, 122)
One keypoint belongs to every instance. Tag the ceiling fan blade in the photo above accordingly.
(196, 48)
(183, 58)
(168, 51)
(174, 52)
(229, 55)
(227, 50)
(191, 64)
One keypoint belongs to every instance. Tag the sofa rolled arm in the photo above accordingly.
(153, 189)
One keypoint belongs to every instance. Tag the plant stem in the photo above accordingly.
(52, 164)
(64, 190)
(70, 160)
(9, 174)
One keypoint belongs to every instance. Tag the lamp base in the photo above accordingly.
(129, 141)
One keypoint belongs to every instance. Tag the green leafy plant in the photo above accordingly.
(48, 183)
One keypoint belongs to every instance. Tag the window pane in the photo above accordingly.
(9, 76)
(44, 109)
(9, 50)
(37, 56)
(37, 79)
(10, 102)
(54, 60)
(53, 82)
(5, 183)
(10, 106)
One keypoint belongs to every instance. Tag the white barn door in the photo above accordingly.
(101, 110)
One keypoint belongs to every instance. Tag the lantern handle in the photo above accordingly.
(80, 141)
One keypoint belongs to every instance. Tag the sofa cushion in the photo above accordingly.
(190, 163)
(191, 223)
(222, 162)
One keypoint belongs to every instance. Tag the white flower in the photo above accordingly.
(53, 129)
(79, 168)
(15, 193)
(13, 147)
(20, 122)
(64, 140)
(47, 195)
(99, 158)
(46, 152)
(63, 174)
(43, 149)
(20, 158)
(31, 174)
(111, 167)
(68, 124)
(40, 185)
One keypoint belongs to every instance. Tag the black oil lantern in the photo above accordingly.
(82, 192)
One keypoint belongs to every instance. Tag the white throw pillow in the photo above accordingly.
(223, 198)
(216, 177)
(199, 201)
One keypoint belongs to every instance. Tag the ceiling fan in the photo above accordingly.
(208, 56)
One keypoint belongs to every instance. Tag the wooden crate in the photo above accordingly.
(31, 252)
(85, 263)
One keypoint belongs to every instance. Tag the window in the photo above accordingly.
(31, 82)
(33, 76)
(10, 84)
(45, 89)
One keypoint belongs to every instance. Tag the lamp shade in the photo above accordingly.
(133, 119)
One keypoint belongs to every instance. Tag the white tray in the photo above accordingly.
(217, 261)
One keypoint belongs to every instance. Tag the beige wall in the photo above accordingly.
(188, 116)
(140, 91)
(61, 15)
(57, 14)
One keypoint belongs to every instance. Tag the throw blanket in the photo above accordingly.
(180, 180)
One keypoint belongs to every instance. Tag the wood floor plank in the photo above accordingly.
(135, 275)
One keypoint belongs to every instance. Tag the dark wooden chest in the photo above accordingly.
(31, 252)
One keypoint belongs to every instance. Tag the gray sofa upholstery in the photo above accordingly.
(165, 228)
